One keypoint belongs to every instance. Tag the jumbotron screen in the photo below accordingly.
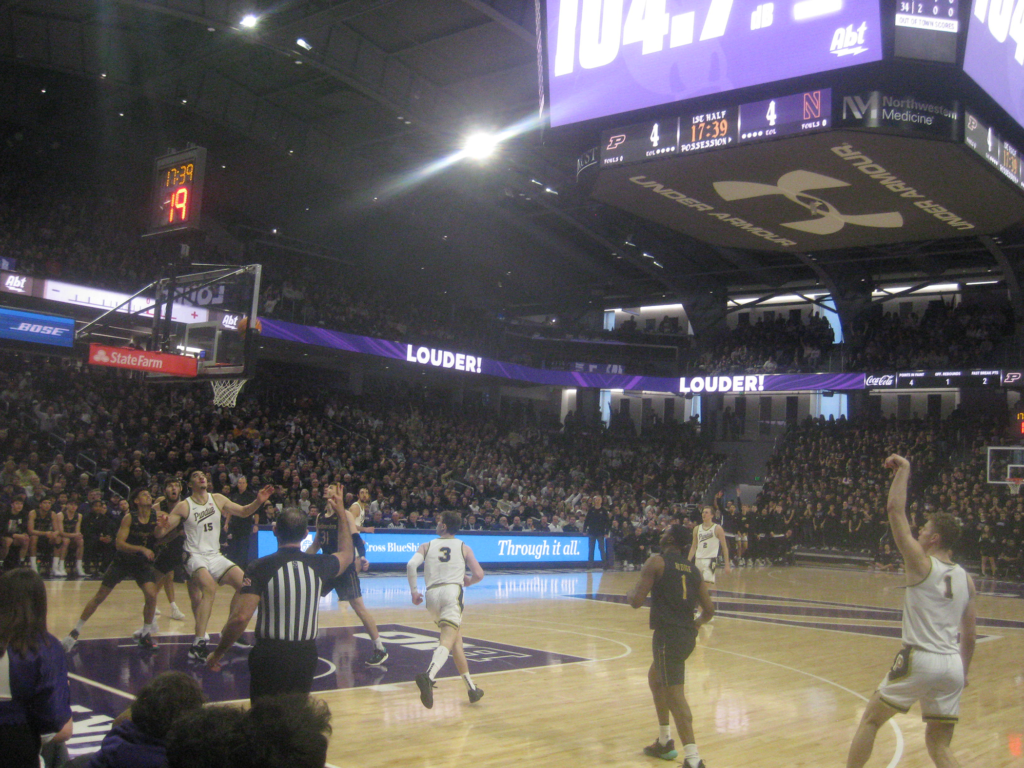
(995, 53)
(606, 57)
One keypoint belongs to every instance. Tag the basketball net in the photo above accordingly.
(225, 391)
(1015, 485)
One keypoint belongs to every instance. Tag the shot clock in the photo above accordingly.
(177, 191)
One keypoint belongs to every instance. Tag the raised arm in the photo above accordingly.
(230, 507)
(410, 571)
(476, 573)
(968, 628)
(336, 498)
(917, 563)
(650, 573)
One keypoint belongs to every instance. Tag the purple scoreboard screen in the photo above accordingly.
(605, 57)
(995, 53)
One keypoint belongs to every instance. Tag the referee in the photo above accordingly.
(288, 583)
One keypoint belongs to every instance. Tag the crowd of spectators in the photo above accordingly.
(943, 336)
(75, 228)
(826, 488)
(109, 434)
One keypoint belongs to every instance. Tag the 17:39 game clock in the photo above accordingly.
(177, 191)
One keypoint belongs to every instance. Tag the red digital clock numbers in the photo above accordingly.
(177, 193)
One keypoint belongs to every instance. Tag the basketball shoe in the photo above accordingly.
(475, 695)
(198, 651)
(378, 657)
(426, 686)
(666, 751)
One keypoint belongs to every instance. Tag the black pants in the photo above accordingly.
(599, 540)
(281, 666)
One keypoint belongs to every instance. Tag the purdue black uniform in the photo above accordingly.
(170, 551)
(347, 583)
(133, 565)
(674, 598)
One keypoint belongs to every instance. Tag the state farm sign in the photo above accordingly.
(140, 360)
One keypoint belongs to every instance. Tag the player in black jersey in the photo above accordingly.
(676, 588)
(169, 553)
(134, 560)
(346, 584)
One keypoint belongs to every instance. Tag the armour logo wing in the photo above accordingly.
(794, 186)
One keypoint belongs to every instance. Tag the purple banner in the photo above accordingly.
(604, 58)
(993, 58)
(472, 364)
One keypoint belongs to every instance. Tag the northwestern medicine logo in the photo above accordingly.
(794, 186)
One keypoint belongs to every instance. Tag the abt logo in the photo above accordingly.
(794, 185)
(16, 284)
(847, 41)
(45, 330)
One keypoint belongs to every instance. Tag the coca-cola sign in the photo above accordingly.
(880, 380)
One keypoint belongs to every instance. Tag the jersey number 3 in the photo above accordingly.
(446, 554)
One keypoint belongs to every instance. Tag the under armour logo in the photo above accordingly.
(794, 186)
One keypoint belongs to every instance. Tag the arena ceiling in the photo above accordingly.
(335, 138)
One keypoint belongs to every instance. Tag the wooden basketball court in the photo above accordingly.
(778, 680)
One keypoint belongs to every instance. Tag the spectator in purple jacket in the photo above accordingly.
(138, 738)
(35, 698)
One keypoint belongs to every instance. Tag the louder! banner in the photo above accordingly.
(436, 357)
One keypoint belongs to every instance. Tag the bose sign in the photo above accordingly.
(395, 548)
(32, 327)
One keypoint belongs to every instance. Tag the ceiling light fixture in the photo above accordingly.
(480, 146)
(303, 44)
(249, 21)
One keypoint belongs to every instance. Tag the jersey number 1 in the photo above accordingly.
(949, 586)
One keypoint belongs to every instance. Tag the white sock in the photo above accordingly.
(378, 644)
(664, 734)
(437, 661)
(79, 625)
(55, 565)
(32, 563)
(469, 682)
(691, 757)
(174, 607)
(197, 639)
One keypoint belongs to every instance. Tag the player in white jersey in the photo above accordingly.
(200, 516)
(708, 537)
(939, 603)
(445, 560)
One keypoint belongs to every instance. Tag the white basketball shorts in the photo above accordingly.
(444, 602)
(707, 567)
(934, 679)
(216, 564)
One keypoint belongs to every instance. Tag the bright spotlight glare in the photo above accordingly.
(303, 44)
(480, 145)
(249, 21)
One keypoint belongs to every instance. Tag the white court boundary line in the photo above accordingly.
(101, 686)
(897, 756)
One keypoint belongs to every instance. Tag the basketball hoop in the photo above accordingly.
(1014, 483)
(225, 391)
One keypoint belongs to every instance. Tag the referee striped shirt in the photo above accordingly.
(289, 583)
